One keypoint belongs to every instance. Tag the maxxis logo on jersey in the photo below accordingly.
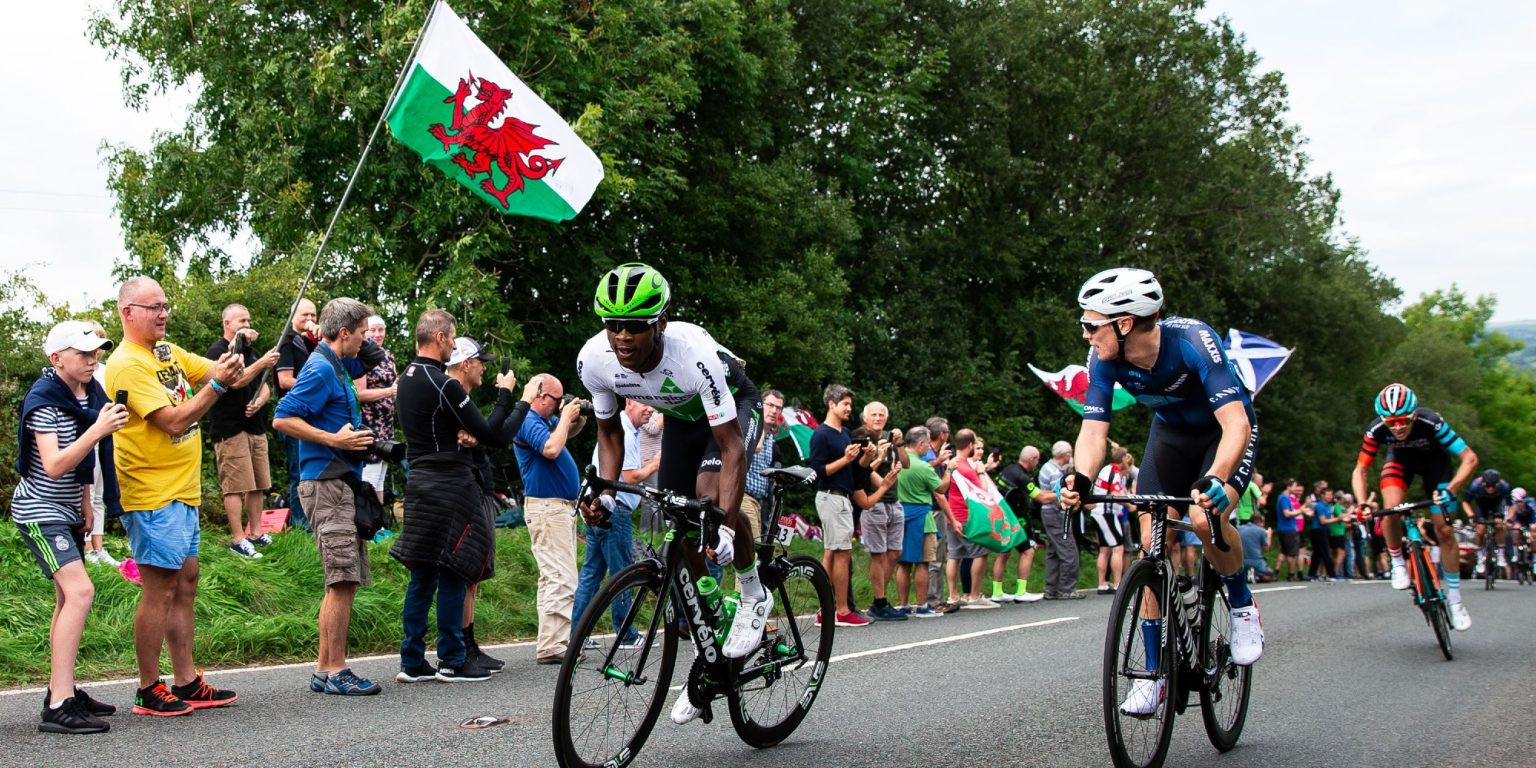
(1211, 347)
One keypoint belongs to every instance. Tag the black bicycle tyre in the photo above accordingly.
(743, 716)
(1490, 560)
(648, 577)
(1435, 609)
(1223, 736)
(1124, 624)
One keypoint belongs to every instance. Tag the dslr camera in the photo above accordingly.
(586, 405)
(390, 451)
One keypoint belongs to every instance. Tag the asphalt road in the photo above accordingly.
(1350, 676)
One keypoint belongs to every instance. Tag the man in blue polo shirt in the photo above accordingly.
(550, 485)
(1288, 525)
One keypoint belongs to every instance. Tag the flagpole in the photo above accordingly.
(394, 93)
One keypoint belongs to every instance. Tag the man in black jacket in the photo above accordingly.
(445, 543)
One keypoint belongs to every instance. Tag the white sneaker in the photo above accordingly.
(1028, 597)
(92, 557)
(746, 629)
(683, 712)
(1460, 621)
(980, 603)
(1482, 564)
(1003, 597)
(1247, 635)
(1399, 577)
(1143, 699)
(1503, 561)
(105, 558)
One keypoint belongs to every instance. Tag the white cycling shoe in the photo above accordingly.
(684, 712)
(1247, 635)
(747, 628)
(1143, 699)
(1460, 620)
(1399, 577)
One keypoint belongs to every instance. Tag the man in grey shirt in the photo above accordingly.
(1061, 556)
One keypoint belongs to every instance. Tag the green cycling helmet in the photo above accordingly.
(631, 290)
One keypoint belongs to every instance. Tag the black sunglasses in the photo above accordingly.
(632, 327)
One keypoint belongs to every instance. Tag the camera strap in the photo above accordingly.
(346, 383)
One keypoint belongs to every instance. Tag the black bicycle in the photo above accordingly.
(1428, 592)
(1492, 549)
(1194, 642)
(611, 691)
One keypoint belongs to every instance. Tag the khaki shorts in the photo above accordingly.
(836, 512)
(333, 516)
(930, 547)
(752, 510)
(882, 527)
(243, 464)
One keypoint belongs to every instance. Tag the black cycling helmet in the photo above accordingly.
(1492, 477)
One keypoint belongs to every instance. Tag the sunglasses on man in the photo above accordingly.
(632, 326)
(1398, 421)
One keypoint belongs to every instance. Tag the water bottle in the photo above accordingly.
(1189, 601)
(709, 592)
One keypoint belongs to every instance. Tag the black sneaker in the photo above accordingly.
(157, 700)
(473, 653)
(200, 695)
(419, 674)
(97, 708)
(468, 672)
(71, 717)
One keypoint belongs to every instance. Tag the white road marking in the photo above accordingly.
(1273, 589)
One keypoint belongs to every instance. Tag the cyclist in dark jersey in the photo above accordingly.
(1203, 436)
(710, 412)
(1419, 443)
(1485, 502)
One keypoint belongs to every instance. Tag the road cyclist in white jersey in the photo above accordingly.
(710, 412)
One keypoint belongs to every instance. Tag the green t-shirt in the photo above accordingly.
(1340, 528)
(1247, 502)
(916, 483)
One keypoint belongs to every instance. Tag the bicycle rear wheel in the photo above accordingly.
(777, 684)
(1490, 562)
(607, 698)
(1224, 697)
(1138, 741)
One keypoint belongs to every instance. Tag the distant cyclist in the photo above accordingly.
(1486, 501)
(1202, 441)
(1522, 509)
(710, 412)
(1419, 444)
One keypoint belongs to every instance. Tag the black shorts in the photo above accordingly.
(688, 448)
(1290, 543)
(54, 545)
(1174, 459)
(1400, 470)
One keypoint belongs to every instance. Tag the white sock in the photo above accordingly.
(57, 704)
(751, 585)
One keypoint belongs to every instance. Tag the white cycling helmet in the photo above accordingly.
(1122, 291)
(1517, 494)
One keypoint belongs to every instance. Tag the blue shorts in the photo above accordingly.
(1189, 539)
(912, 534)
(163, 537)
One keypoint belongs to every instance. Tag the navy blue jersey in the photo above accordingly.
(1190, 380)
(1428, 435)
(1489, 499)
(1525, 511)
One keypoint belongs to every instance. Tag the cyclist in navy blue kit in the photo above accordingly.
(1202, 441)
(1486, 502)
(1419, 443)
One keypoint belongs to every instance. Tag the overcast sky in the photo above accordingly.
(1421, 110)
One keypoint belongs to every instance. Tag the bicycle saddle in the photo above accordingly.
(790, 475)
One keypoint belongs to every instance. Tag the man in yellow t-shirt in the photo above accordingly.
(159, 466)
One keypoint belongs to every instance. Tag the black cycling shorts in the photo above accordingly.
(1174, 459)
(688, 448)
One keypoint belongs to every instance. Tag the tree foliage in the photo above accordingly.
(900, 196)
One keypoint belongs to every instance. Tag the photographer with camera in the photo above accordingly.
(321, 412)
(447, 542)
(550, 486)
(238, 430)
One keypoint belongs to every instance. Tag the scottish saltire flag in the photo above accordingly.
(1071, 384)
(1256, 358)
(465, 113)
(797, 428)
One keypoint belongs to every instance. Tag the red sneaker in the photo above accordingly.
(200, 695)
(851, 619)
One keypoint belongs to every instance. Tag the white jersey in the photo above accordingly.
(689, 383)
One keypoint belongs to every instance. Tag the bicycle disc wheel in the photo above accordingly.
(1224, 698)
(777, 684)
(607, 698)
(1137, 741)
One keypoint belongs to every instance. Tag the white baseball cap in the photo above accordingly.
(465, 348)
(74, 334)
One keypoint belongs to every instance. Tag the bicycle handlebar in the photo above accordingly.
(1217, 537)
(1403, 509)
(708, 515)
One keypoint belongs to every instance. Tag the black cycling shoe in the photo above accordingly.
(71, 717)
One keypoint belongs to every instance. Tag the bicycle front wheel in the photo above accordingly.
(1139, 735)
(1436, 612)
(1224, 697)
(607, 698)
(777, 684)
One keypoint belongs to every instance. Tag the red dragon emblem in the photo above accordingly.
(509, 145)
(1073, 387)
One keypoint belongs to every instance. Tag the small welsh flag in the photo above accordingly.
(1071, 383)
(797, 428)
(464, 112)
